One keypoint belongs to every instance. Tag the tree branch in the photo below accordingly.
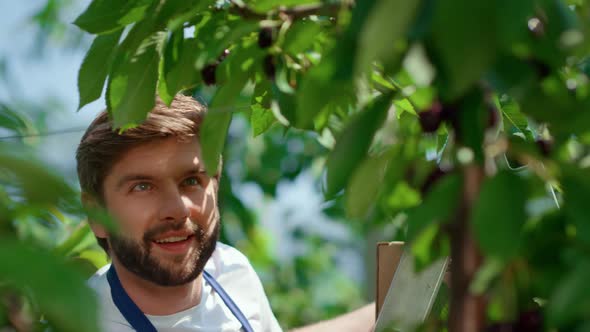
(294, 13)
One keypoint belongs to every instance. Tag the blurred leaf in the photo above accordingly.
(458, 29)
(301, 36)
(97, 257)
(329, 82)
(131, 89)
(576, 188)
(64, 298)
(473, 121)
(554, 104)
(364, 185)
(499, 215)
(428, 246)
(16, 121)
(103, 16)
(402, 197)
(353, 143)
(486, 273)
(395, 17)
(234, 72)
(439, 205)
(38, 184)
(571, 297)
(96, 65)
(74, 240)
(512, 116)
(266, 5)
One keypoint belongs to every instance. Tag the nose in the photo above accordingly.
(174, 206)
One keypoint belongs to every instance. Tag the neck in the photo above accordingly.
(153, 299)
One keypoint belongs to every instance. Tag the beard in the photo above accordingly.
(136, 256)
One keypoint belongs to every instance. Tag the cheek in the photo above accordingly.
(132, 217)
(204, 207)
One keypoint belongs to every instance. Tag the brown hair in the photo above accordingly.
(102, 145)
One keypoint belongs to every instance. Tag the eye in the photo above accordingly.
(142, 186)
(191, 182)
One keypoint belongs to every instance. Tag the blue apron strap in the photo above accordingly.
(228, 301)
(126, 306)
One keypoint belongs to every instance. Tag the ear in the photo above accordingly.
(89, 202)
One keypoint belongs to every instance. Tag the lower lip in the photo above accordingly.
(175, 247)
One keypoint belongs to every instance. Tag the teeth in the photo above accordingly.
(172, 239)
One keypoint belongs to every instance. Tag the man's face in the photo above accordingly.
(166, 206)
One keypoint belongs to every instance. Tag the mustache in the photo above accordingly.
(150, 234)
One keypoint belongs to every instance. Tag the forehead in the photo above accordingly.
(162, 155)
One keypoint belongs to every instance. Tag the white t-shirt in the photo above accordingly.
(232, 270)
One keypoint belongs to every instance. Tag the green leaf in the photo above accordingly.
(576, 188)
(353, 143)
(499, 215)
(301, 36)
(233, 73)
(395, 17)
(179, 63)
(402, 197)
(571, 297)
(131, 89)
(326, 83)
(39, 184)
(439, 205)
(214, 129)
(74, 240)
(473, 120)
(267, 5)
(464, 44)
(261, 119)
(103, 16)
(513, 116)
(15, 121)
(96, 65)
(98, 257)
(364, 185)
(216, 32)
(64, 298)
(554, 104)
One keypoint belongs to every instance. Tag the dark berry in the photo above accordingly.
(208, 74)
(530, 321)
(541, 68)
(268, 65)
(431, 119)
(431, 179)
(223, 55)
(265, 37)
(545, 146)
(501, 327)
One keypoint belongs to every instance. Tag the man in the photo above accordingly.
(168, 271)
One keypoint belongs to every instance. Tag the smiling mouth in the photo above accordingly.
(172, 239)
(174, 244)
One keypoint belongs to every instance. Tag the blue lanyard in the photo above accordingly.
(141, 323)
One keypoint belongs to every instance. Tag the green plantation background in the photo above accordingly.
(459, 126)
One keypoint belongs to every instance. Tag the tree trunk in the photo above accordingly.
(467, 312)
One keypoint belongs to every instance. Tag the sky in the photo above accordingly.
(45, 77)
